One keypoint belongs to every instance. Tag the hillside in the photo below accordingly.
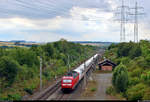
(19, 67)
(131, 78)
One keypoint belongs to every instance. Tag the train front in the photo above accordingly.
(67, 83)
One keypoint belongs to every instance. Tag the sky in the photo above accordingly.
(73, 20)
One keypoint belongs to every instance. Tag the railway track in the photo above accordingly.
(63, 96)
(48, 92)
(68, 95)
(55, 89)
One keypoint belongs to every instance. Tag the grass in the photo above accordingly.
(90, 89)
(111, 92)
(93, 89)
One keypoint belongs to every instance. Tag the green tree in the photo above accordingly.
(123, 49)
(49, 50)
(120, 78)
(135, 51)
(112, 46)
(8, 69)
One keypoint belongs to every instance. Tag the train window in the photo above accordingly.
(67, 81)
(69, 74)
(75, 75)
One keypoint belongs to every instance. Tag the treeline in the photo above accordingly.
(131, 78)
(19, 67)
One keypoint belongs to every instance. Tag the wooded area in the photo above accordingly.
(19, 67)
(131, 78)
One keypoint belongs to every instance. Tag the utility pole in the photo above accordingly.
(123, 20)
(40, 73)
(85, 75)
(84, 60)
(136, 14)
(68, 64)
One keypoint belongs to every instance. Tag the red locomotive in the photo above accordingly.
(72, 78)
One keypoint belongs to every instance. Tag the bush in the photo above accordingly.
(123, 49)
(135, 51)
(134, 81)
(112, 46)
(146, 95)
(8, 69)
(120, 78)
(24, 56)
(28, 90)
(136, 57)
(125, 60)
(14, 97)
(140, 61)
(93, 89)
(136, 92)
(129, 49)
(110, 90)
(136, 72)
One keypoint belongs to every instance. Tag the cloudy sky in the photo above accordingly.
(74, 20)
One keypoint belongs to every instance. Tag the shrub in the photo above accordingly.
(8, 69)
(136, 92)
(135, 51)
(148, 59)
(28, 90)
(93, 89)
(125, 60)
(110, 90)
(136, 72)
(140, 61)
(120, 78)
(146, 95)
(133, 80)
(14, 97)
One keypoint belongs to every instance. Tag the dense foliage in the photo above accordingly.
(120, 78)
(135, 57)
(19, 67)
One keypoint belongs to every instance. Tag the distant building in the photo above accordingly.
(106, 65)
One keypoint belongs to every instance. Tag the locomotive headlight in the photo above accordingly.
(66, 84)
(67, 81)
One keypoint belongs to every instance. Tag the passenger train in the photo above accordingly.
(72, 78)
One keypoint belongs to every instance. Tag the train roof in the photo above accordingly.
(79, 69)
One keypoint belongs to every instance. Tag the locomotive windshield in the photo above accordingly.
(69, 74)
(67, 81)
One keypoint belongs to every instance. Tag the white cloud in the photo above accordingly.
(74, 24)
(83, 24)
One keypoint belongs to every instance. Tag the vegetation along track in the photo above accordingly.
(67, 95)
(62, 96)
(49, 91)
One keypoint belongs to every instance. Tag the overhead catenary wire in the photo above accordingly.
(136, 14)
(123, 20)
(33, 10)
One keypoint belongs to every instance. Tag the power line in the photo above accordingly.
(136, 14)
(68, 62)
(48, 8)
(123, 20)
